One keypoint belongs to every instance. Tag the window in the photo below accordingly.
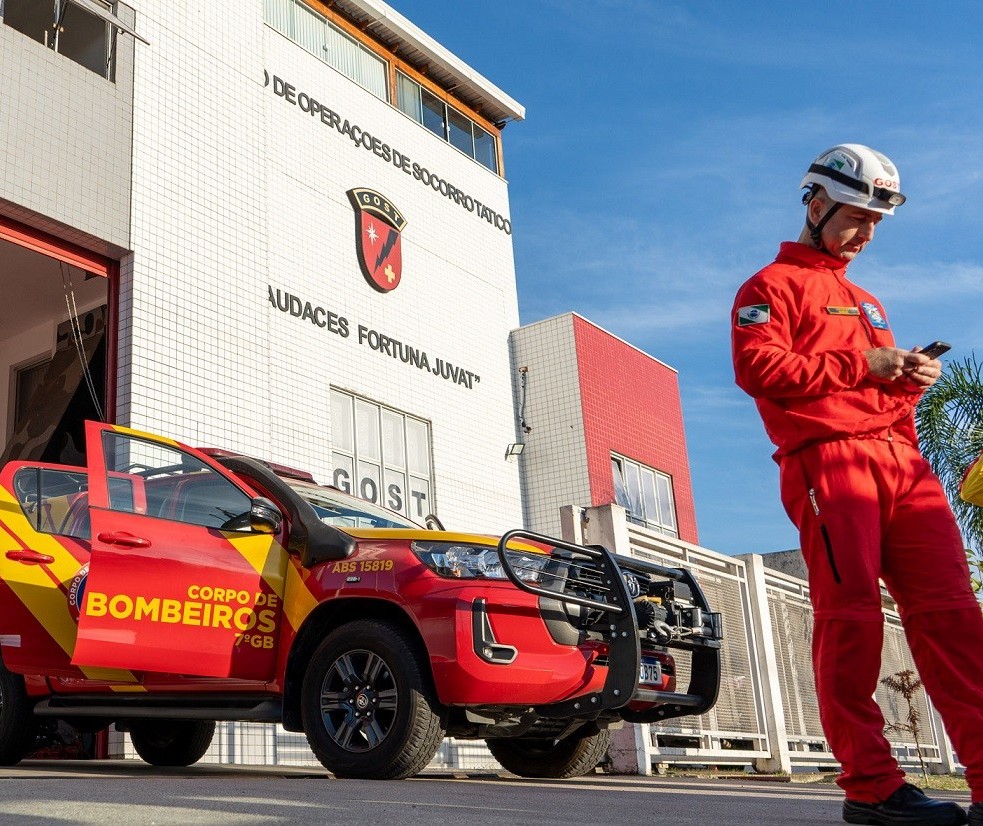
(381, 455)
(408, 97)
(343, 511)
(319, 36)
(646, 495)
(433, 114)
(157, 480)
(446, 122)
(81, 30)
(484, 148)
(54, 501)
(308, 29)
(459, 132)
(84, 38)
(27, 381)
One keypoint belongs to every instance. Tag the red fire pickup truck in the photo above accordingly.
(163, 588)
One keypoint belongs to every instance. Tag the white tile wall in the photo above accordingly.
(235, 189)
(554, 460)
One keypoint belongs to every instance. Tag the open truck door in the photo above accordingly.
(177, 581)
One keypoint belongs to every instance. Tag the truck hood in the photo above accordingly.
(423, 535)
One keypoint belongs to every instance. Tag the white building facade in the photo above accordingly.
(311, 256)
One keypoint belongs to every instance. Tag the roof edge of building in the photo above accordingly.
(575, 315)
(419, 39)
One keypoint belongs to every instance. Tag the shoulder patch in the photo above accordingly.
(753, 314)
(874, 315)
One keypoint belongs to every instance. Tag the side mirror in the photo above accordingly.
(264, 516)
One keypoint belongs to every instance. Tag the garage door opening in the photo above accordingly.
(54, 351)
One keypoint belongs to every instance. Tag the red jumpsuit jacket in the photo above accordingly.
(799, 335)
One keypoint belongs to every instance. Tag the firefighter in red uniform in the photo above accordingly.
(837, 398)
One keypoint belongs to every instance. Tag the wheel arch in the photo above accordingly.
(323, 620)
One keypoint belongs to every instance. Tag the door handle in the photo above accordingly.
(30, 557)
(127, 540)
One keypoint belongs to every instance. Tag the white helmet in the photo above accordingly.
(856, 175)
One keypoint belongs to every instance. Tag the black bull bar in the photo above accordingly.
(619, 628)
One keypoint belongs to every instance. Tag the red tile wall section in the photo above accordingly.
(631, 406)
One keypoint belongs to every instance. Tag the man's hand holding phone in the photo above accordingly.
(921, 366)
(935, 349)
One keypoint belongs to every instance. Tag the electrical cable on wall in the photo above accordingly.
(77, 340)
(523, 372)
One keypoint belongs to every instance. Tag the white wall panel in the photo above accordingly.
(237, 190)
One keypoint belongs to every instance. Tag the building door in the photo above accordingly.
(57, 345)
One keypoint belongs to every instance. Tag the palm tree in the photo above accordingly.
(949, 419)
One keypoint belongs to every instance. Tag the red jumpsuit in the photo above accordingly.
(867, 506)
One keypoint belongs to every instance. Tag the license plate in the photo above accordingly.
(650, 673)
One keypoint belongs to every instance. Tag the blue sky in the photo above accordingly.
(658, 168)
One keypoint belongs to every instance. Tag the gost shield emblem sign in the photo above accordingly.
(378, 225)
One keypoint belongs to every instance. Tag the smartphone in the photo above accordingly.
(936, 349)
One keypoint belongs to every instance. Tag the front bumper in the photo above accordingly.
(612, 615)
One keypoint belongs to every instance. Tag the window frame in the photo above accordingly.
(18, 379)
(667, 524)
(396, 72)
(403, 79)
(414, 479)
(325, 52)
(180, 499)
(51, 36)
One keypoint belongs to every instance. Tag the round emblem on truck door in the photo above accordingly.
(76, 592)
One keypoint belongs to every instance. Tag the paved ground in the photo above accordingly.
(130, 792)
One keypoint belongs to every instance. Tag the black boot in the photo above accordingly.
(976, 814)
(908, 805)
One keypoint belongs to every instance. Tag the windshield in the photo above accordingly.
(342, 511)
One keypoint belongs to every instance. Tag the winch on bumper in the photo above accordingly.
(627, 607)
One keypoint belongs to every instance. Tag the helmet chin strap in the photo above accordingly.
(816, 230)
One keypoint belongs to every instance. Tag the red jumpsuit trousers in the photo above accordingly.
(869, 507)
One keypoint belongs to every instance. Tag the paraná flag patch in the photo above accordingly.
(753, 314)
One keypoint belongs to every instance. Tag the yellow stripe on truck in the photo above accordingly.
(140, 434)
(34, 587)
(298, 601)
(265, 556)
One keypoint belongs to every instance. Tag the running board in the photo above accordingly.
(262, 711)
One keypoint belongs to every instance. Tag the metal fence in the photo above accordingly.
(766, 716)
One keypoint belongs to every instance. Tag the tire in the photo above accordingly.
(368, 705)
(171, 742)
(571, 757)
(18, 726)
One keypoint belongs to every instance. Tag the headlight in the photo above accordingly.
(479, 562)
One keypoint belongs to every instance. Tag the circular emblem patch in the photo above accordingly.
(76, 592)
